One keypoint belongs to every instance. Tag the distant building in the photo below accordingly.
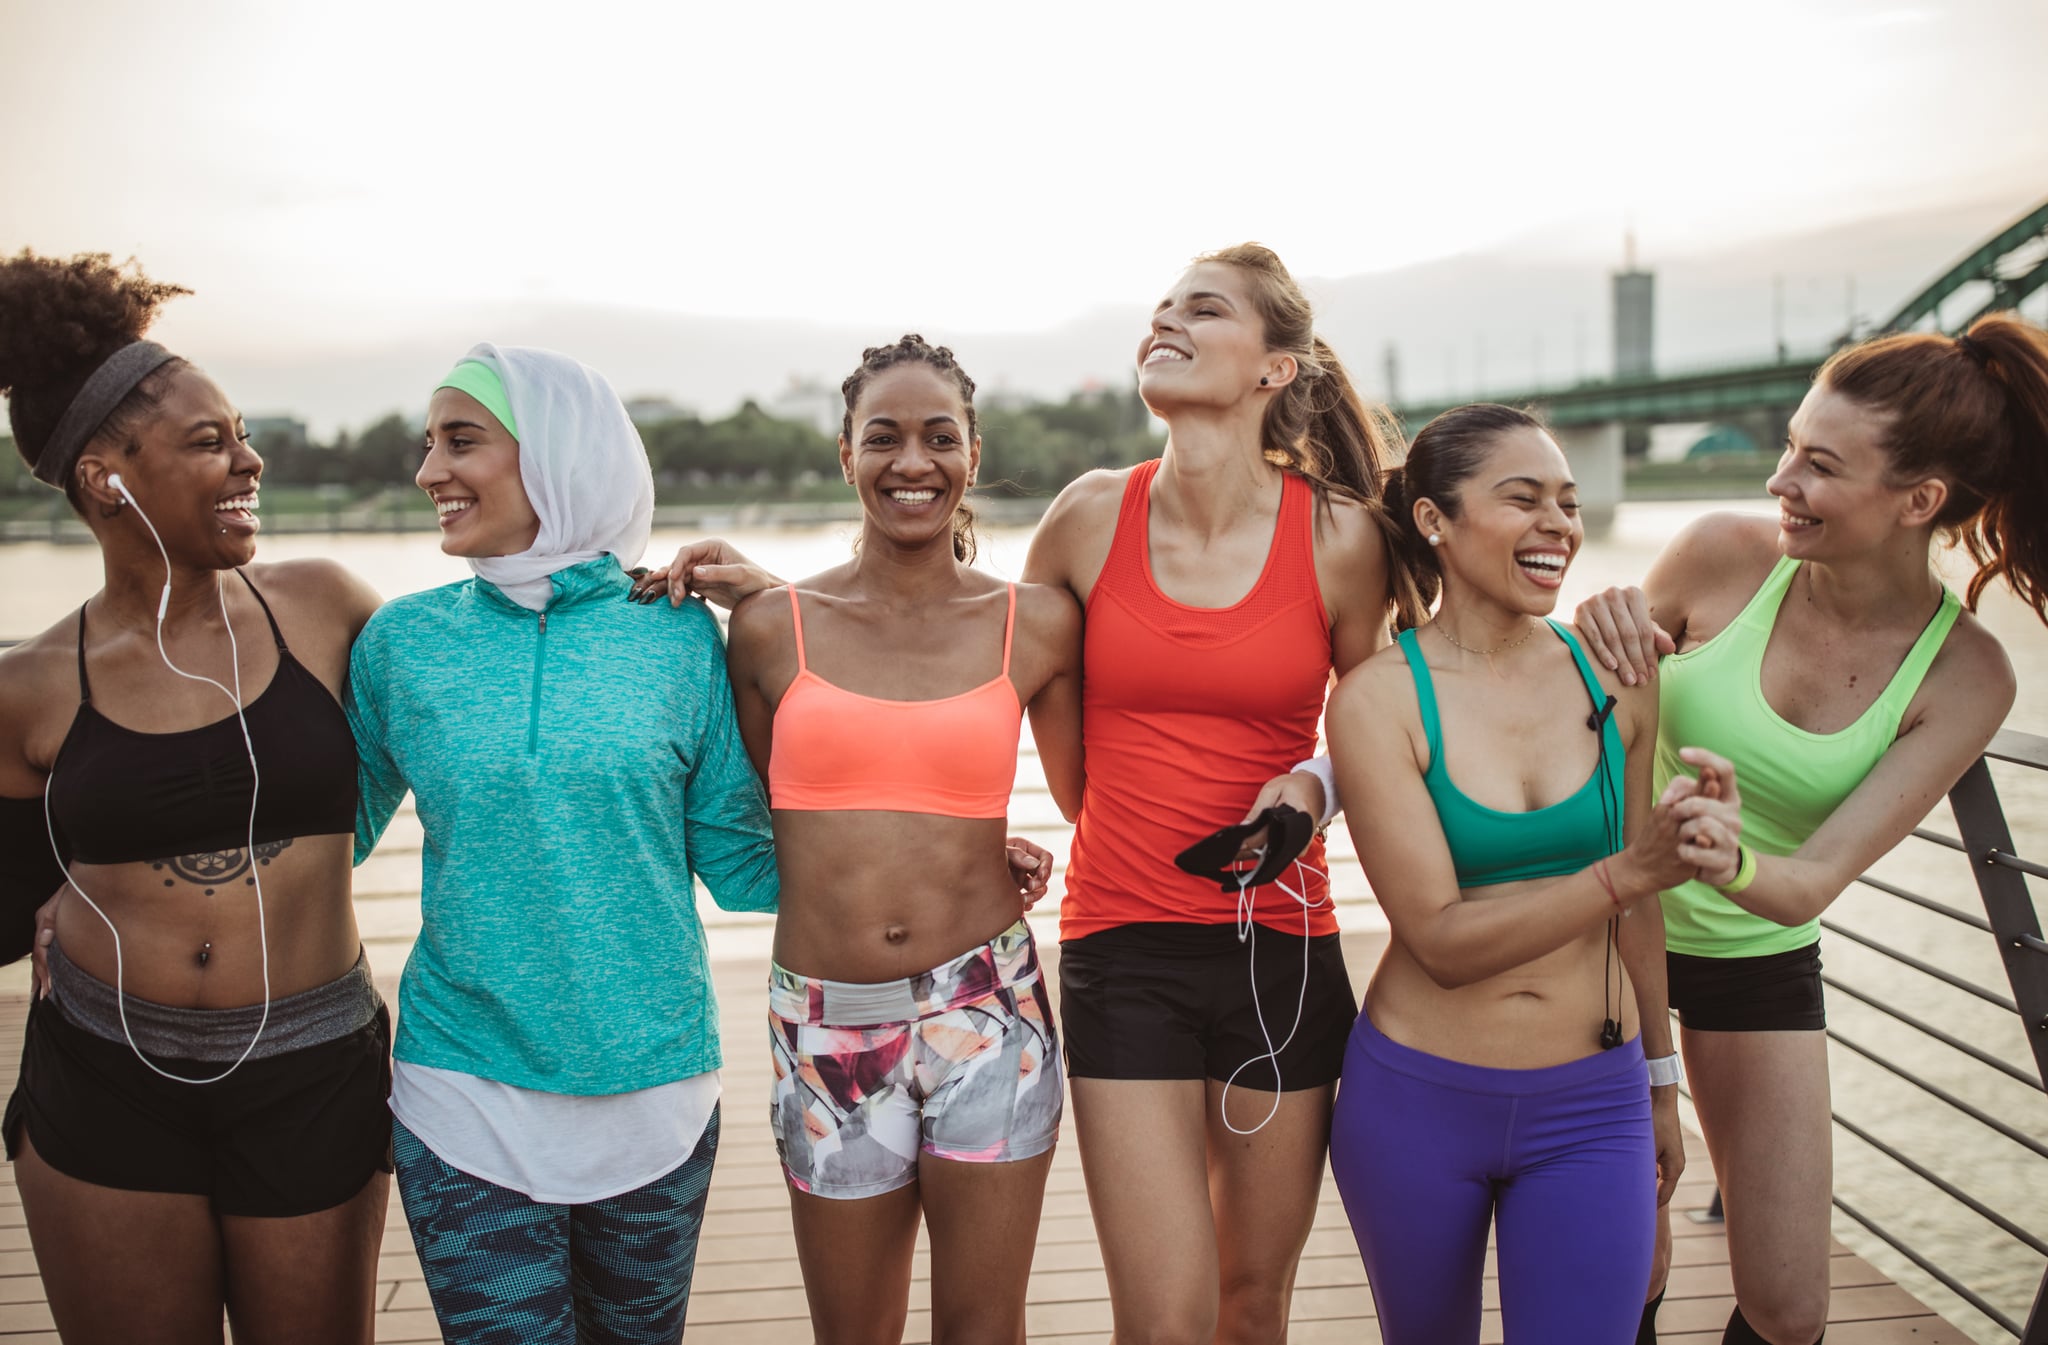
(811, 401)
(654, 410)
(1635, 313)
(274, 429)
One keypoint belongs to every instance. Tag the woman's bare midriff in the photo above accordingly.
(188, 923)
(878, 896)
(1542, 1013)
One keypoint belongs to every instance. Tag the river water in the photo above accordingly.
(40, 583)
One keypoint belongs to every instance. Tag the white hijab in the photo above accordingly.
(583, 465)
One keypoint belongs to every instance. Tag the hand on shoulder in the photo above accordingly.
(1629, 628)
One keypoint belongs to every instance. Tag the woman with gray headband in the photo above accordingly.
(200, 1123)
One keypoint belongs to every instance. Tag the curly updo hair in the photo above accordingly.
(60, 318)
(914, 349)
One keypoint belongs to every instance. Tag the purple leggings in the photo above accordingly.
(1428, 1152)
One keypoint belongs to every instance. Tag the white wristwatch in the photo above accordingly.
(1665, 1071)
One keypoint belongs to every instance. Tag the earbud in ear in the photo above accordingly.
(114, 480)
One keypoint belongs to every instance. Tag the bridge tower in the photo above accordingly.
(1635, 312)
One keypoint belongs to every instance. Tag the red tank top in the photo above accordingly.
(1186, 712)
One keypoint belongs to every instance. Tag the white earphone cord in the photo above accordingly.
(255, 783)
(1247, 933)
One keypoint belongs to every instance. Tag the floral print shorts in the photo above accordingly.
(960, 1062)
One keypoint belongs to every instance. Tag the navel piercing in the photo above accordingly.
(205, 953)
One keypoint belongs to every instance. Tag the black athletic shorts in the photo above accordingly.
(283, 1135)
(1775, 992)
(1174, 1001)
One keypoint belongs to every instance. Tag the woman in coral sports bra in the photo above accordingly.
(917, 1072)
(1222, 583)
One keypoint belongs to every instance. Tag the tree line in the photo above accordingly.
(1028, 447)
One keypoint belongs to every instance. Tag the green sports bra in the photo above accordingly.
(1489, 846)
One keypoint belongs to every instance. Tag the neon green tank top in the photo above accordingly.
(1791, 780)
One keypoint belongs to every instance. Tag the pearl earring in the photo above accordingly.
(1436, 539)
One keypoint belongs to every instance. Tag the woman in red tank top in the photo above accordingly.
(1223, 584)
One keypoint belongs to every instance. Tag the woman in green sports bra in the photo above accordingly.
(1820, 654)
(1499, 792)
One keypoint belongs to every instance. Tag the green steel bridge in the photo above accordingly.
(1999, 273)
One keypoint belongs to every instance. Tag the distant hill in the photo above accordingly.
(1495, 318)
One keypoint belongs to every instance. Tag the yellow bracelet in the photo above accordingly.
(1745, 872)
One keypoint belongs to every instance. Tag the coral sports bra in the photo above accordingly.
(836, 749)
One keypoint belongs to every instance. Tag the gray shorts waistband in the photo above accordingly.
(325, 1013)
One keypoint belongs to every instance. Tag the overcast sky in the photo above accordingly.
(338, 180)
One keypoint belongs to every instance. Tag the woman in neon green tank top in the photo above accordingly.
(1820, 654)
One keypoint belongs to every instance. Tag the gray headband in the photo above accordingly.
(104, 391)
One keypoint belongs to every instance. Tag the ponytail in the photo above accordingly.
(1412, 576)
(1972, 411)
(2009, 537)
(1327, 432)
(1318, 425)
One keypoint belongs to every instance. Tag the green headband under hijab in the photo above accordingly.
(481, 381)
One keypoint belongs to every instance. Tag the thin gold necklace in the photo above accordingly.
(1522, 639)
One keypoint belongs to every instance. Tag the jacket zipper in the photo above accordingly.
(540, 660)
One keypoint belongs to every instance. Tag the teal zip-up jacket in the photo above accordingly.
(573, 769)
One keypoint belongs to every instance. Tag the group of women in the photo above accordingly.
(1566, 837)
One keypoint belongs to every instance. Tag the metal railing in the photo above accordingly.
(2011, 919)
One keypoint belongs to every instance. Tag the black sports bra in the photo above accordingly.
(118, 795)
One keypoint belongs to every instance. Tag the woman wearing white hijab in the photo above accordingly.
(575, 762)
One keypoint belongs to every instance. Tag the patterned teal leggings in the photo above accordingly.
(506, 1270)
